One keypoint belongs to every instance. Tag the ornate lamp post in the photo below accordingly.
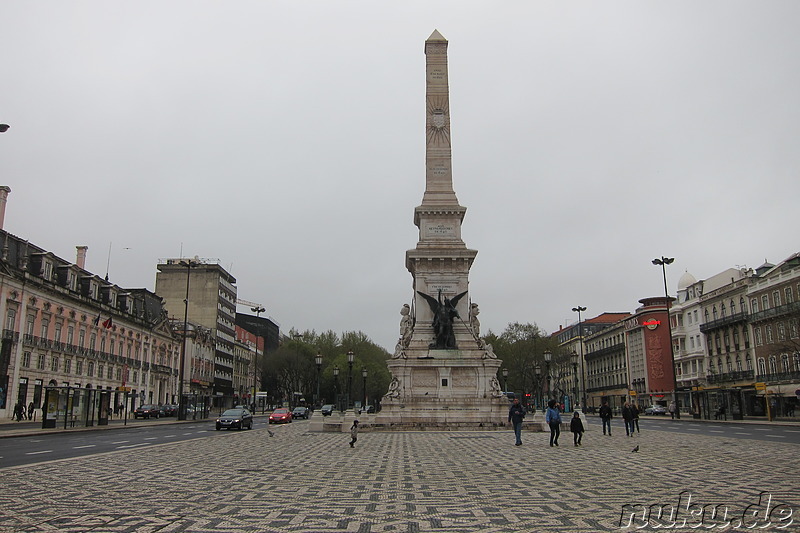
(664, 261)
(548, 356)
(537, 370)
(505, 379)
(350, 356)
(364, 376)
(574, 358)
(336, 387)
(318, 361)
(189, 264)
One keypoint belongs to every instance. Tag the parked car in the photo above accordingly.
(280, 415)
(169, 409)
(300, 412)
(655, 410)
(235, 418)
(327, 409)
(148, 411)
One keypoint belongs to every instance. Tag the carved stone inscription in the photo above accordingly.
(464, 378)
(440, 230)
(424, 379)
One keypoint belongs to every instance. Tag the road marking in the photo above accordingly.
(169, 436)
(133, 445)
(776, 436)
(85, 446)
(150, 438)
(715, 431)
(791, 431)
(762, 429)
(120, 442)
(37, 453)
(693, 429)
(742, 433)
(189, 433)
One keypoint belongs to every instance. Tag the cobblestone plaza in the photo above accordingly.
(472, 481)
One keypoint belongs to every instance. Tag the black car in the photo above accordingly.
(235, 418)
(169, 409)
(148, 411)
(327, 409)
(300, 412)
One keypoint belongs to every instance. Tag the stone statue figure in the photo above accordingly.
(406, 330)
(444, 311)
(394, 389)
(474, 323)
(497, 392)
(489, 352)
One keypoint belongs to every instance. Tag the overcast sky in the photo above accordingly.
(287, 140)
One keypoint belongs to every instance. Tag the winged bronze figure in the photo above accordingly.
(444, 311)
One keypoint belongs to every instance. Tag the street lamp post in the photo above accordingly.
(318, 361)
(548, 356)
(578, 310)
(505, 379)
(336, 387)
(664, 261)
(537, 370)
(257, 310)
(364, 375)
(350, 356)
(189, 264)
(574, 358)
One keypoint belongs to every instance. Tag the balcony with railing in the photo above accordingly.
(775, 312)
(724, 321)
(740, 375)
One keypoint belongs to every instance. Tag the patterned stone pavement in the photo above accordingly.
(299, 481)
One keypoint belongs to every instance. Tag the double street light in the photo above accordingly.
(189, 264)
(578, 310)
(257, 310)
(663, 262)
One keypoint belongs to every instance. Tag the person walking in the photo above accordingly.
(19, 411)
(605, 416)
(576, 426)
(553, 419)
(635, 419)
(672, 409)
(353, 433)
(515, 415)
(31, 408)
(627, 418)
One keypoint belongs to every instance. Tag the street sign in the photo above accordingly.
(632, 392)
(761, 386)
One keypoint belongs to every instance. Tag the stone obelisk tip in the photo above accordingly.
(436, 36)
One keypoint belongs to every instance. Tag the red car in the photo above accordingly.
(280, 415)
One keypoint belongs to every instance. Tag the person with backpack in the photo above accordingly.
(553, 419)
(576, 426)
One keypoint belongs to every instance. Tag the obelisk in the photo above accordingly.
(442, 373)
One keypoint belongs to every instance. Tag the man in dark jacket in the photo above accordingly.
(515, 415)
(627, 417)
(605, 416)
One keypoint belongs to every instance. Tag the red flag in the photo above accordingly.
(107, 323)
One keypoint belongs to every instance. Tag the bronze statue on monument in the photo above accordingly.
(444, 311)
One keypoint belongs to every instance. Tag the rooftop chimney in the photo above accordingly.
(81, 258)
(4, 190)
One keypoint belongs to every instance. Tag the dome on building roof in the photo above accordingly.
(686, 280)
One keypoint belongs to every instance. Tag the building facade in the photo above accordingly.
(67, 327)
(210, 295)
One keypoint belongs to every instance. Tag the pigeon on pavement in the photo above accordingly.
(635, 449)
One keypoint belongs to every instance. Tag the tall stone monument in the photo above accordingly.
(442, 372)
